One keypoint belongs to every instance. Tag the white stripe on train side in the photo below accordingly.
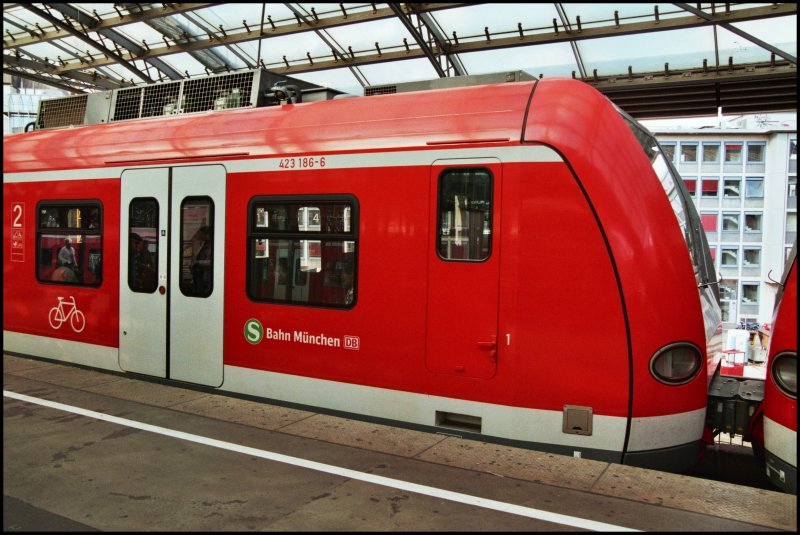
(398, 158)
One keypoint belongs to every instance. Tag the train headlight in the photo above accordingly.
(676, 364)
(784, 373)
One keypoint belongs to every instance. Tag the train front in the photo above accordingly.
(665, 275)
(780, 390)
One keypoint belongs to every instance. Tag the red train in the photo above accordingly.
(774, 425)
(514, 262)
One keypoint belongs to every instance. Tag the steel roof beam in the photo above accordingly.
(332, 44)
(85, 38)
(43, 68)
(59, 83)
(134, 48)
(421, 43)
(241, 36)
(111, 22)
(577, 53)
(775, 50)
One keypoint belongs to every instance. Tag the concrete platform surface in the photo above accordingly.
(72, 471)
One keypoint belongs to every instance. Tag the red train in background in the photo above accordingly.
(512, 262)
(774, 426)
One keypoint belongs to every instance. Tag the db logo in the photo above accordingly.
(352, 342)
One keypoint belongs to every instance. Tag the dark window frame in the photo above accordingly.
(439, 198)
(66, 231)
(211, 228)
(130, 234)
(254, 232)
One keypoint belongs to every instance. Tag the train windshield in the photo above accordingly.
(691, 227)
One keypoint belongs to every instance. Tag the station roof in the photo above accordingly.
(653, 60)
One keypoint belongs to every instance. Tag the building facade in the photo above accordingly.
(742, 174)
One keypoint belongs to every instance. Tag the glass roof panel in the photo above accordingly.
(232, 15)
(781, 33)
(469, 22)
(648, 52)
(341, 79)
(555, 59)
(610, 55)
(22, 18)
(294, 47)
(399, 71)
(389, 34)
(139, 31)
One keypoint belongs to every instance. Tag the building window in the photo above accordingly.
(69, 242)
(791, 190)
(754, 187)
(688, 152)
(710, 152)
(755, 152)
(668, 150)
(793, 156)
(730, 257)
(727, 294)
(730, 221)
(749, 293)
(751, 257)
(733, 152)
(465, 214)
(301, 250)
(732, 187)
(791, 222)
(710, 187)
(691, 185)
(709, 222)
(752, 222)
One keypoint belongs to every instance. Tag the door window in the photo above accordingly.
(143, 245)
(465, 215)
(197, 247)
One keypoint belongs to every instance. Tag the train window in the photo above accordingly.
(465, 215)
(302, 250)
(69, 242)
(197, 247)
(143, 245)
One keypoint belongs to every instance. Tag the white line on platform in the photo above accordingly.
(336, 470)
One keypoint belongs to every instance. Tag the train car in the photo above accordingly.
(514, 262)
(774, 425)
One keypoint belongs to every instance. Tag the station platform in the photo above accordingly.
(89, 450)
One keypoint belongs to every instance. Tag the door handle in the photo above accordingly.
(491, 345)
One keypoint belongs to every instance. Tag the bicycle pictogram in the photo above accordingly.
(58, 316)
